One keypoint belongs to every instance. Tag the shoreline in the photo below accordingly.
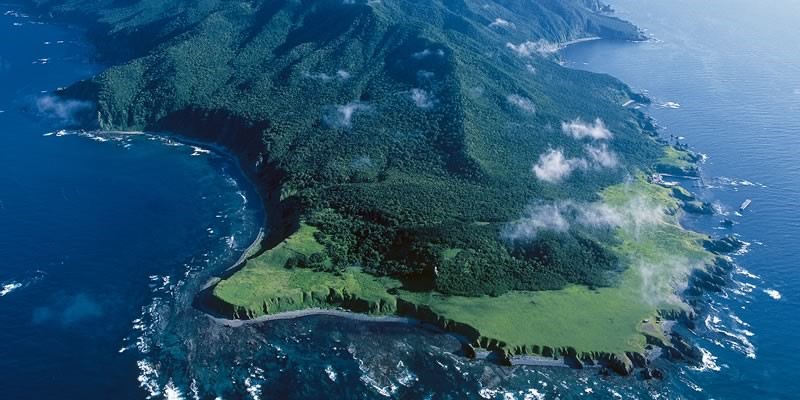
(226, 152)
(219, 150)
(315, 311)
(481, 355)
(564, 45)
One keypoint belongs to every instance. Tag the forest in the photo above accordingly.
(410, 134)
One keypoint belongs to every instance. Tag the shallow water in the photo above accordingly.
(106, 239)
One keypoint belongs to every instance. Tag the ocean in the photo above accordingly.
(105, 239)
(724, 76)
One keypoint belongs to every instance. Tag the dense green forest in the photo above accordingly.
(411, 133)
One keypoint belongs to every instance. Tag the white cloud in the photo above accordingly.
(530, 68)
(528, 49)
(602, 156)
(424, 75)
(341, 75)
(538, 218)
(69, 111)
(501, 23)
(422, 98)
(342, 116)
(553, 166)
(633, 216)
(428, 53)
(580, 130)
(523, 103)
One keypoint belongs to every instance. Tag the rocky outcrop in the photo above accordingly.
(723, 245)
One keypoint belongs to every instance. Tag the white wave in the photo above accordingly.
(745, 287)
(487, 393)
(252, 388)
(148, 378)
(742, 250)
(331, 373)
(692, 385)
(738, 320)
(195, 391)
(671, 104)
(385, 391)
(172, 392)
(709, 361)
(741, 271)
(773, 293)
(22, 281)
(406, 378)
(9, 287)
(199, 151)
(737, 341)
(15, 14)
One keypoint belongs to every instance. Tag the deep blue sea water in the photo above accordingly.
(105, 239)
(726, 76)
(90, 227)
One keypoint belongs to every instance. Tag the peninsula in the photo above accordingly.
(427, 159)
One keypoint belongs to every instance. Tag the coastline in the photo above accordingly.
(557, 357)
(261, 236)
(228, 154)
(483, 355)
(340, 313)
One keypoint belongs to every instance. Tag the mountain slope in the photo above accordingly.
(391, 125)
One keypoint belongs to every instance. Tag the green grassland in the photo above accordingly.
(677, 161)
(588, 320)
(264, 286)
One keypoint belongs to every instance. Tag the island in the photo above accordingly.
(428, 159)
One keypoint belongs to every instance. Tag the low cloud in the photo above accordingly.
(522, 103)
(601, 156)
(340, 75)
(475, 92)
(633, 216)
(69, 310)
(659, 288)
(531, 69)
(553, 166)
(362, 162)
(422, 98)
(424, 75)
(501, 23)
(658, 278)
(342, 116)
(428, 53)
(529, 49)
(580, 130)
(536, 219)
(68, 111)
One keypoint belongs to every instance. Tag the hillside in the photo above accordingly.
(406, 150)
